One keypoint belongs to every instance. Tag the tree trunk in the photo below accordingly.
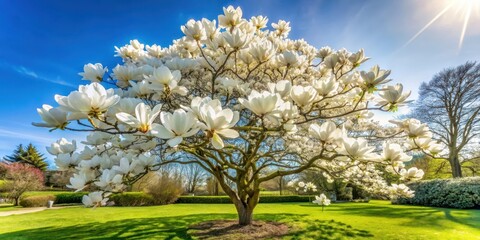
(456, 167)
(215, 189)
(244, 198)
(245, 214)
(16, 201)
(281, 184)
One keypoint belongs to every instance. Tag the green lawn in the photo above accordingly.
(41, 193)
(374, 220)
(8, 207)
(277, 193)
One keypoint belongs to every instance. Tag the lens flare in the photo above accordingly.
(464, 8)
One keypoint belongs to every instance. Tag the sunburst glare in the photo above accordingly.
(462, 8)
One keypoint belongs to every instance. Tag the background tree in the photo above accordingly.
(237, 99)
(17, 155)
(212, 186)
(28, 155)
(194, 176)
(164, 185)
(57, 179)
(20, 178)
(450, 104)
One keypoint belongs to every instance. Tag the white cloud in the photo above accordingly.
(30, 73)
(26, 136)
(25, 71)
(12, 136)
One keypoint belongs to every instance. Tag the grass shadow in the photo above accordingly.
(329, 230)
(133, 228)
(177, 228)
(474, 219)
(420, 216)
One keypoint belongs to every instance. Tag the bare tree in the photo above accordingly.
(194, 176)
(450, 104)
(213, 187)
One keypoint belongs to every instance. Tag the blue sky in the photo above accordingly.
(46, 43)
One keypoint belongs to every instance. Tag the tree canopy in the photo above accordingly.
(240, 100)
(450, 104)
(28, 155)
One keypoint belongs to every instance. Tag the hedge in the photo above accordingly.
(132, 199)
(450, 193)
(226, 199)
(203, 199)
(144, 199)
(73, 197)
(36, 201)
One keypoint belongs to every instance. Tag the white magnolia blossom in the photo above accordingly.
(125, 167)
(126, 73)
(321, 200)
(400, 190)
(331, 61)
(126, 105)
(262, 51)
(356, 149)
(194, 30)
(62, 146)
(393, 96)
(228, 84)
(93, 72)
(78, 181)
(282, 28)
(282, 88)
(89, 101)
(326, 86)
(67, 161)
(411, 174)
(327, 132)
(374, 77)
(291, 183)
(290, 59)
(144, 117)
(166, 81)
(94, 199)
(414, 128)
(235, 95)
(176, 126)
(52, 117)
(110, 180)
(324, 52)
(303, 96)
(140, 89)
(310, 187)
(232, 17)
(358, 57)
(260, 103)
(259, 21)
(217, 122)
(394, 153)
(307, 187)
(97, 138)
(236, 39)
(434, 148)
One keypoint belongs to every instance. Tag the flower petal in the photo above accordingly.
(228, 133)
(128, 119)
(217, 141)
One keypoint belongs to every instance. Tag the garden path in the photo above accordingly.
(26, 210)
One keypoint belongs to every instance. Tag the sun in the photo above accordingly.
(465, 7)
(461, 9)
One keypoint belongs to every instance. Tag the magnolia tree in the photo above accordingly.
(243, 101)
